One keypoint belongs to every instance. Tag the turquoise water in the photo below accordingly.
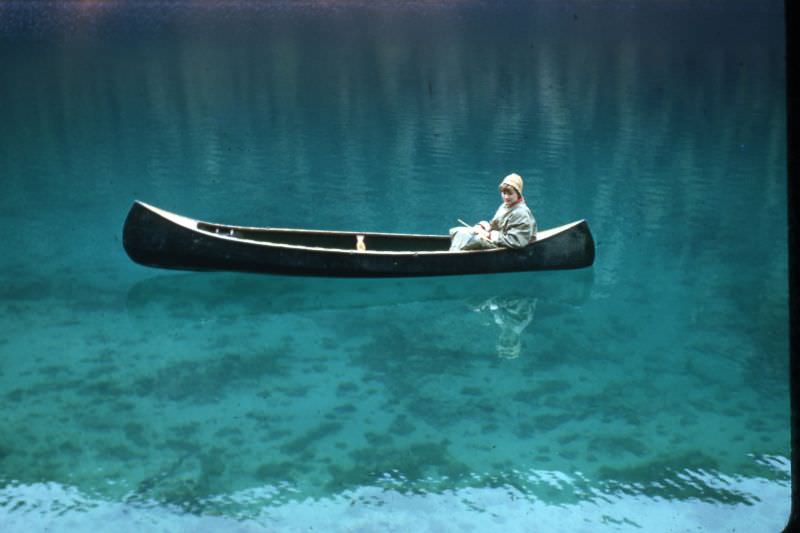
(649, 392)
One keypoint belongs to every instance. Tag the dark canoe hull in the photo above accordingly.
(156, 238)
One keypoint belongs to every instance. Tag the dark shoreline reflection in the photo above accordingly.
(272, 112)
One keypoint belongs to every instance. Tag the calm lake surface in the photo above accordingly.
(649, 392)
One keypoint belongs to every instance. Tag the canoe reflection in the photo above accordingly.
(505, 304)
(197, 294)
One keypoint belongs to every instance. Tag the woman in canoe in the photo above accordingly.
(512, 226)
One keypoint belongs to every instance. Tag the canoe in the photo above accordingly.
(157, 238)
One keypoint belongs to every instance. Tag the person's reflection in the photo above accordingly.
(512, 315)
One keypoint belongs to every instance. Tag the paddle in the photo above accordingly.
(468, 226)
(464, 223)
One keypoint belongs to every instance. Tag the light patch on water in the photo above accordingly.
(504, 509)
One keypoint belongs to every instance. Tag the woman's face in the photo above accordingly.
(509, 195)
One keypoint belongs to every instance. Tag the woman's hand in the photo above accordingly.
(482, 233)
(482, 230)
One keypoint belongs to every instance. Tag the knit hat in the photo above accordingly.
(513, 180)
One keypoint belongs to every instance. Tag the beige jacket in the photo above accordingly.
(513, 227)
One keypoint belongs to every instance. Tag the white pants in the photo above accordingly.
(462, 238)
